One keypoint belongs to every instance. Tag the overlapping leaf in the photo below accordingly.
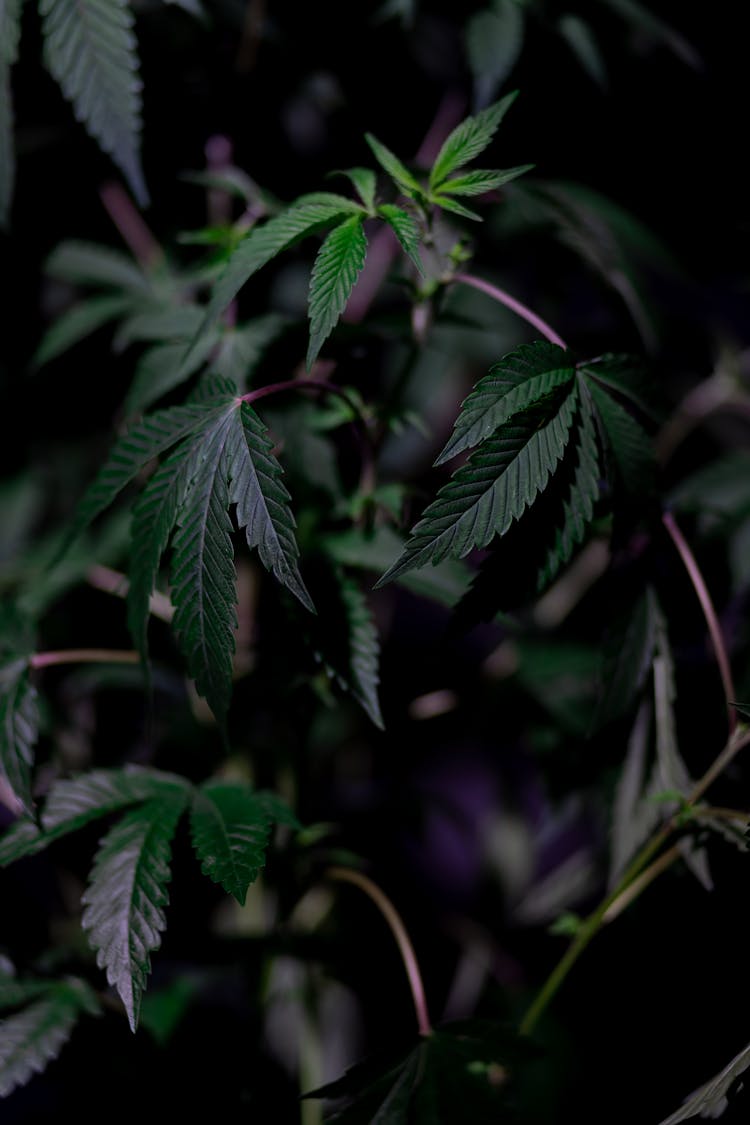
(90, 49)
(405, 227)
(468, 140)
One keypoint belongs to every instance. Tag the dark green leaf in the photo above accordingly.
(628, 649)
(712, 1099)
(76, 323)
(406, 230)
(334, 274)
(391, 164)
(230, 828)
(495, 486)
(468, 140)
(627, 375)
(364, 182)
(19, 729)
(494, 38)
(90, 49)
(630, 445)
(10, 27)
(480, 181)
(125, 899)
(162, 367)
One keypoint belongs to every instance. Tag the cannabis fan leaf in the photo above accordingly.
(222, 457)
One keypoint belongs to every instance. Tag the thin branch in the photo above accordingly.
(513, 304)
(84, 656)
(136, 235)
(406, 949)
(639, 884)
(113, 582)
(699, 585)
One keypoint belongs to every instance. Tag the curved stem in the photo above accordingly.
(406, 949)
(513, 304)
(302, 385)
(84, 656)
(699, 585)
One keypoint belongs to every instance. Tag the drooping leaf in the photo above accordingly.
(634, 816)
(480, 181)
(406, 230)
(399, 173)
(71, 804)
(336, 269)
(305, 216)
(521, 378)
(19, 729)
(77, 323)
(86, 263)
(33, 1036)
(364, 182)
(90, 49)
(711, 1099)
(10, 27)
(495, 486)
(230, 829)
(628, 650)
(630, 445)
(494, 39)
(125, 899)
(468, 140)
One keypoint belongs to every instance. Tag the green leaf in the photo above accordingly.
(628, 441)
(628, 650)
(240, 349)
(645, 21)
(398, 172)
(364, 182)
(405, 228)
(337, 266)
(494, 39)
(364, 650)
(530, 373)
(126, 895)
(162, 368)
(495, 486)
(480, 181)
(10, 28)
(711, 1099)
(634, 815)
(85, 263)
(230, 828)
(178, 322)
(90, 49)
(19, 730)
(454, 207)
(262, 500)
(627, 376)
(468, 140)
(580, 38)
(77, 323)
(305, 216)
(32, 1037)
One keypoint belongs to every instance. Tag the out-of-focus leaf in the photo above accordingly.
(712, 1099)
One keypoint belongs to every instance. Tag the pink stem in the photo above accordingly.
(136, 235)
(513, 304)
(84, 656)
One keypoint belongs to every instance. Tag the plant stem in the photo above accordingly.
(302, 385)
(512, 303)
(699, 585)
(406, 949)
(84, 656)
(136, 235)
(639, 884)
(591, 925)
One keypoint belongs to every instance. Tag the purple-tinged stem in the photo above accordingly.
(84, 656)
(717, 638)
(136, 235)
(513, 304)
(406, 949)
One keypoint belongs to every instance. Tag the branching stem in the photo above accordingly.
(406, 949)
(513, 304)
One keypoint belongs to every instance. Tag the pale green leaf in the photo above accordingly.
(19, 729)
(365, 182)
(468, 140)
(580, 38)
(391, 164)
(305, 216)
(480, 181)
(124, 902)
(32, 1037)
(77, 323)
(10, 27)
(494, 38)
(85, 263)
(711, 1099)
(230, 830)
(90, 49)
(499, 481)
(337, 266)
(526, 375)
(405, 228)
(262, 500)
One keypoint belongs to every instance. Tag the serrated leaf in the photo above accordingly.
(364, 648)
(711, 1099)
(521, 378)
(405, 227)
(126, 895)
(627, 375)
(468, 140)
(364, 182)
(31, 1038)
(230, 829)
(494, 39)
(276, 809)
(19, 730)
(495, 486)
(90, 49)
(452, 205)
(305, 216)
(398, 172)
(10, 27)
(630, 445)
(77, 323)
(480, 181)
(628, 649)
(86, 263)
(337, 267)
(262, 500)
(71, 804)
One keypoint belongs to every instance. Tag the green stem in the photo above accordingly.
(406, 949)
